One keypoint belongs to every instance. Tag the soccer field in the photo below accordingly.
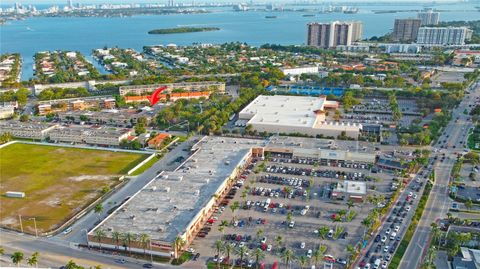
(57, 181)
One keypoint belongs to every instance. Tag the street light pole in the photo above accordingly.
(35, 224)
(21, 225)
(151, 254)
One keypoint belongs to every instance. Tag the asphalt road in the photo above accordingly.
(438, 203)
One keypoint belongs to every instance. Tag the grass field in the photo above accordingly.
(58, 182)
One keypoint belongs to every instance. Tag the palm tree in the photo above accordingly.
(116, 238)
(287, 257)
(278, 240)
(98, 209)
(351, 250)
(286, 190)
(241, 252)
(33, 260)
(259, 233)
(179, 244)
(350, 204)
(127, 239)
(303, 260)
(2, 251)
(99, 235)
(218, 246)
(144, 240)
(367, 223)
(224, 223)
(317, 255)
(233, 208)
(227, 250)
(259, 255)
(435, 233)
(17, 258)
(289, 216)
(322, 232)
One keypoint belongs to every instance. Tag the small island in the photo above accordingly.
(181, 30)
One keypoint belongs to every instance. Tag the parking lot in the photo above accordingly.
(286, 203)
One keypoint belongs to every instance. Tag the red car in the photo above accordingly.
(329, 258)
(211, 221)
(362, 263)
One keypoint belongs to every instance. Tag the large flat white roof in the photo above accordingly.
(283, 110)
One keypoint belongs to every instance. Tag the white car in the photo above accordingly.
(407, 208)
(410, 194)
(291, 224)
(384, 239)
(264, 239)
(388, 231)
(385, 265)
(269, 248)
(397, 228)
(309, 253)
(302, 245)
(385, 249)
(393, 235)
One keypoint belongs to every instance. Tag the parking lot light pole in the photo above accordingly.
(35, 225)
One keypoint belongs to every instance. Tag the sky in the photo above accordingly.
(7, 2)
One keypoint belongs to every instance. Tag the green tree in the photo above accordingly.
(227, 250)
(144, 241)
(241, 252)
(98, 209)
(116, 238)
(469, 204)
(99, 235)
(33, 260)
(140, 128)
(303, 261)
(259, 256)
(24, 118)
(179, 243)
(287, 256)
(17, 258)
(322, 232)
(127, 239)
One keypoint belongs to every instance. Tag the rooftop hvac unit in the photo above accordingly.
(196, 193)
(166, 189)
(154, 188)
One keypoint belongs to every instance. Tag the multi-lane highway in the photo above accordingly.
(444, 154)
(452, 141)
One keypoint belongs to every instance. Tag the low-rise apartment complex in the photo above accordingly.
(102, 136)
(27, 130)
(184, 86)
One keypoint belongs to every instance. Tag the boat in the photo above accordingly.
(270, 17)
(308, 15)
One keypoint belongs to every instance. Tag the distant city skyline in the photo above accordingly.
(56, 2)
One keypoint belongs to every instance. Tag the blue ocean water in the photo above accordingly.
(85, 34)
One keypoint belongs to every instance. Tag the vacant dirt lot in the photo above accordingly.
(57, 182)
